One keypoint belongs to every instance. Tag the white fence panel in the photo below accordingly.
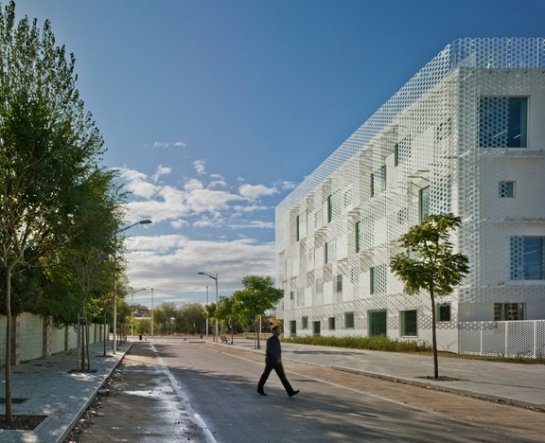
(32, 332)
(507, 338)
(57, 339)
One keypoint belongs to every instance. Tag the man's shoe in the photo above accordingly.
(294, 393)
(262, 392)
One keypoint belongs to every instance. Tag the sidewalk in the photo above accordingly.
(516, 383)
(53, 392)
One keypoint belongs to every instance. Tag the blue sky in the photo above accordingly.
(214, 110)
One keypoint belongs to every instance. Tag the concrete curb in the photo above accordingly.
(435, 387)
(84, 407)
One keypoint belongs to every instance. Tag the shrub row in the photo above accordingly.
(377, 343)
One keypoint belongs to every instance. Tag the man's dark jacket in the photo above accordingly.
(274, 353)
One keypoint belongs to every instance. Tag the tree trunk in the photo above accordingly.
(9, 409)
(232, 330)
(87, 346)
(104, 354)
(433, 334)
(257, 332)
(82, 336)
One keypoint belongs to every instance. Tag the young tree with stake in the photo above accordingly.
(429, 263)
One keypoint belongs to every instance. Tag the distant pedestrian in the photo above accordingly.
(273, 360)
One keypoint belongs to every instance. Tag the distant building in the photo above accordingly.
(142, 312)
(466, 135)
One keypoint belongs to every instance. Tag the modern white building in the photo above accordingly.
(465, 135)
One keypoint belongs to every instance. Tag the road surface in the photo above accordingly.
(173, 390)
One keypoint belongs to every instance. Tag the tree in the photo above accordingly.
(163, 314)
(47, 144)
(192, 318)
(429, 263)
(228, 311)
(210, 313)
(258, 296)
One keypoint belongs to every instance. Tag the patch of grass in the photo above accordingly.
(382, 343)
(377, 343)
(498, 358)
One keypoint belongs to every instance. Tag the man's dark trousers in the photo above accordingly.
(280, 371)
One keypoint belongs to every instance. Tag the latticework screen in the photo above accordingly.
(466, 134)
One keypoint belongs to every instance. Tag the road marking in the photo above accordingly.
(205, 432)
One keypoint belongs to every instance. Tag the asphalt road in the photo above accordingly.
(182, 391)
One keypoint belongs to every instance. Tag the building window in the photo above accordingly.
(318, 220)
(319, 285)
(378, 322)
(357, 234)
(424, 196)
(507, 189)
(339, 284)
(349, 320)
(316, 327)
(300, 296)
(333, 207)
(402, 216)
(503, 122)
(293, 327)
(364, 235)
(292, 295)
(378, 279)
(354, 276)
(509, 311)
(443, 312)
(408, 323)
(331, 323)
(444, 130)
(402, 151)
(347, 198)
(301, 226)
(378, 181)
(304, 322)
(527, 258)
(330, 252)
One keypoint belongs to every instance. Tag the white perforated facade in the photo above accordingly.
(466, 134)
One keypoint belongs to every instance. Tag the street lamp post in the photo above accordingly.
(141, 222)
(151, 312)
(207, 315)
(216, 279)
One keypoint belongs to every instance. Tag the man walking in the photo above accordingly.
(273, 360)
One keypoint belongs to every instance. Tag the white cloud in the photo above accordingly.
(168, 144)
(164, 202)
(253, 192)
(161, 171)
(252, 208)
(178, 224)
(253, 224)
(172, 262)
(287, 185)
(136, 183)
(216, 183)
(199, 167)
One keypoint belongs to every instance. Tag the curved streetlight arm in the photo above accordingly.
(212, 277)
(141, 222)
